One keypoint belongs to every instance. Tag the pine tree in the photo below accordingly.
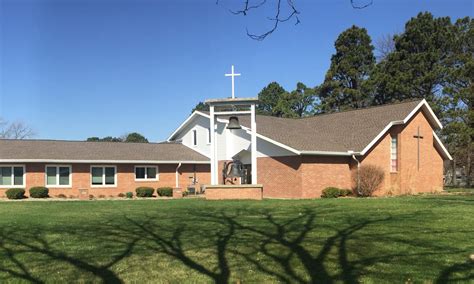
(346, 82)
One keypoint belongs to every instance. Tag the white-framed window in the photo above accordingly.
(394, 154)
(195, 137)
(146, 173)
(103, 176)
(58, 175)
(209, 133)
(12, 176)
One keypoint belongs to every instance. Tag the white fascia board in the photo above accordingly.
(100, 161)
(382, 133)
(430, 111)
(195, 113)
(328, 153)
(404, 121)
(442, 146)
(249, 131)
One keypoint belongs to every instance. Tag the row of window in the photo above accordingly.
(60, 176)
(195, 136)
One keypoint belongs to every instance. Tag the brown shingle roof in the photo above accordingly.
(336, 132)
(96, 151)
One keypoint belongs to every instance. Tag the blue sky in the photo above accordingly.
(78, 68)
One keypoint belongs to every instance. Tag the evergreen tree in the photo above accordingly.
(458, 99)
(135, 137)
(201, 107)
(416, 68)
(345, 85)
(297, 103)
(268, 99)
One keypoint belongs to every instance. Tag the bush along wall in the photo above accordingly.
(15, 193)
(144, 191)
(39, 192)
(334, 192)
(165, 191)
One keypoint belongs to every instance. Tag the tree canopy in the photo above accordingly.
(133, 137)
(346, 83)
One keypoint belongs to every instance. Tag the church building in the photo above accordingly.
(293, 158)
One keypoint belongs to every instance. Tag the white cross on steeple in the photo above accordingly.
(232, 75)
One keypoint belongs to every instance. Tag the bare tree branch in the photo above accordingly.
(248, 7)
(278, 18)
(15, 130)
(384, 46)
(357, 6)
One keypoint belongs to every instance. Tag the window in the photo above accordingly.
(394, 154)
(146, 173)
(208, 136)
(12, 176)
(195, 138)
(58, 176)
(103, 176)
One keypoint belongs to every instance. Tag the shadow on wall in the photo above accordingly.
(278, 249)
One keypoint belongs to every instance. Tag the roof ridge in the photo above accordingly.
(347, 110)
(82, 141)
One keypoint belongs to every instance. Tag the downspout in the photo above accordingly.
(177, 175)
(358, 176)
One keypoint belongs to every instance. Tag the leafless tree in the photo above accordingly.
(285, 10)
(384, 46)
(15, 130)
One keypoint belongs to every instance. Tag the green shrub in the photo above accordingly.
(39, 192)
(346, 192)
(144, 191)
(165, 191)
(15, 193)
(129, 194)
(331, 192)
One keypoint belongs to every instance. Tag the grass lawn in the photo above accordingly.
(381, 240)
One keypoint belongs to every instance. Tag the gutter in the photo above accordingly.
(177, 175)
(358, 169)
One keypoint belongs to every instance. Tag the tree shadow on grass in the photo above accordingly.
(297, 249)
(14, 243)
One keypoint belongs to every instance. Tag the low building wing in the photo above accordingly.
(79, 151)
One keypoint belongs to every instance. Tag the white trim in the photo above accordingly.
(249, 131)
(195, 113)
(99, 161)
(103, 176)
(13, 176)
(237, 112)
(404, 121)
(442, 146)
(157, 178)
(382, 133)
(363, 152)
(328, 153)
(57, 185)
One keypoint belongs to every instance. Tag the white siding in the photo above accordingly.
(229, 142)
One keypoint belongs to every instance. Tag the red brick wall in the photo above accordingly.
(245, 192)
(408, 179)
(319, 172)
(35, 176)
(280, 176)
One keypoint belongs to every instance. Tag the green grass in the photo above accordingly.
(459, 190)
(379, 240)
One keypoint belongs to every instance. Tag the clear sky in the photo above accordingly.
(78, 68)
